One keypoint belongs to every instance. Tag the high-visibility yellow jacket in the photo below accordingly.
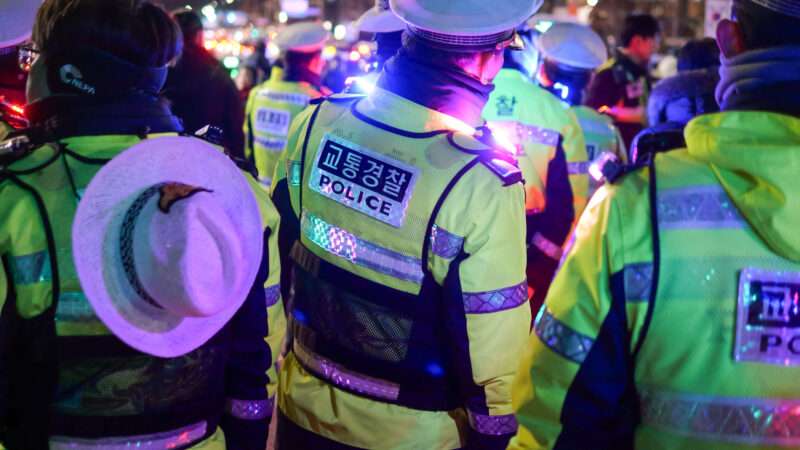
(673, 321)
(103, 388)
(271, 107)
(601, 136)
(406, 331)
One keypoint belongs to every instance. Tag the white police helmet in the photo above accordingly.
(380, 19)
(573, 45)
(302, 37)
(464, 24)
(16, 20)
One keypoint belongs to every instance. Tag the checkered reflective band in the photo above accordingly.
(452, 41)
(178, 438)
(768, 317)
(363, 179)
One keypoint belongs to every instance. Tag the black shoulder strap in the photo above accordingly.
(304, 152)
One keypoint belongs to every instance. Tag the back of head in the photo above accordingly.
(643, 25)
(136, 31)
(698, 54)
(191, 24)
(766, 28)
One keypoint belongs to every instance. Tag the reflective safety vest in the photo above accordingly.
(106, 395)
(601, 137)
(533, 120)
(401, 337)
(271, 107)
(672, 324)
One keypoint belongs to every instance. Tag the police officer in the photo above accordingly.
(544, 136)
(65, 380)
(273, 105)
(570, 54)
(622, 85)
(671, 324)
(393, 206)
(16, 28)
(387, 32)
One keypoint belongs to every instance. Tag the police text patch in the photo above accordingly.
(364, 180)
(274, 121)
(768, 318)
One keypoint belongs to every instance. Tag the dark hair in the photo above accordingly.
(643, 25)
(698, 54)
(298, 59)
(190, 22)
(137, 31)
(764, 28)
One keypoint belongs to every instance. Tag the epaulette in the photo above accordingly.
(499, 162)
(211, 134)
(15, 148)
(337, 98)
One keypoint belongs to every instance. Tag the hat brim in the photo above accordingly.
(96, 229)
(478, 18)
(376, 20)
(16, 21)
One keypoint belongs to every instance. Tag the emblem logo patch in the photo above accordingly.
(364, 180)
(768, 318)
(273, 121)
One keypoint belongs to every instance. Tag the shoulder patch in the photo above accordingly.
(506, 170)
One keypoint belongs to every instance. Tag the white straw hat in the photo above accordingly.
(380, 19)
(167, 242)
(16, 20)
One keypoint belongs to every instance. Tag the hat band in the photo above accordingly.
(785, 7)
(463, 43)
(126, 242)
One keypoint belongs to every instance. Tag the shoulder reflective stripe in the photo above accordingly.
(546, 246)
(578, 168)
(167, 439)
(495, 301)
(562, 339)
(697, 207)
(638, 279)
(340, 242)
(539, 135)
(444, 243)
(294, 172)
(31, 269)
(74, 307)
(249, 409)
(493, 425)
(273, 294)
(344, 378)
(753, 421)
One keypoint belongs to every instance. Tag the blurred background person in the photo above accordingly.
(678, 99)
(15, 29)
(386, 30)
(570, 53)
(273, 105)
(621, 87)
(200, 90)
(254, 70)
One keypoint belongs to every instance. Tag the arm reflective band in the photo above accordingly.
(547, 246)
(493, 425)
(249, 409)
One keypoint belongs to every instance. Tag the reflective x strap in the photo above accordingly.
(164, 440)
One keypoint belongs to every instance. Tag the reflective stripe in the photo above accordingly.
(272, 294)
(494, 301)
(538, 135)
(638, 279)
(249, 409)
(578, 168)
(547, 246)
(697, 207)
(164, 440)
(75, 307)
(339, 242)
(753, 421)
(274, 145)
(344, 378)
(493, 425)
(294, 173)
(31, 269)
(265, 181)
(445, 244)
(562, 339)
